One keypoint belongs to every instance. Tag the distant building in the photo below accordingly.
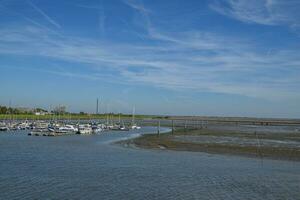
(41, 113)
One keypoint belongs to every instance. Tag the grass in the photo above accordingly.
(166, 141)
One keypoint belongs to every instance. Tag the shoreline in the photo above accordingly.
(178, 142)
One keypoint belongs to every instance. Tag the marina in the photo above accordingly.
(61, 128)
(55, 127)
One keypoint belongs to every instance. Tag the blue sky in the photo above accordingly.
(209, 57)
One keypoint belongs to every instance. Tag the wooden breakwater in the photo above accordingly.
(206, 122)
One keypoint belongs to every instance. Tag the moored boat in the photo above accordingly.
(3, 127)
(85, 129)
(135, 127)
(67, 129)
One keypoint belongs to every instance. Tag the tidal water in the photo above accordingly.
(91, 167)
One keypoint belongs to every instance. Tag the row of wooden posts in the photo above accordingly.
(173, 126)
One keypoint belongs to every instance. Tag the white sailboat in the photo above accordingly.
(133, 124)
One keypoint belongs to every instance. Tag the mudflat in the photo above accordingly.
(261, 143)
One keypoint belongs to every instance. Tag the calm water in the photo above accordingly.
(90, 167)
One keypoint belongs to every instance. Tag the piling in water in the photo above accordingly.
(158, 128)
(172, 126)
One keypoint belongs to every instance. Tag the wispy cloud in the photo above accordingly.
(212, 68)
(101, 18)
(28, 19)
(144, 18)
(49, 19)
(195, 60)
(137, 5)
(266, 12)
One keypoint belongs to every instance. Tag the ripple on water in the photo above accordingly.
(77, 167)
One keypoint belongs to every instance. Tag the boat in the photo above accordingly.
(133, 124)
(85, 129)
(4, 128)
(123, 128)
(40, 125)
(14, 126)
(67, 129)
(39, 128)
(58, 129)
(109, 127)
(23, 125)
(135, 127)
(97, 128)
(52, 127)
(115, 127)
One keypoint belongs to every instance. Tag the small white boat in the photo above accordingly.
(40, 125)
(135, 127)
(23, 126)
(39, 128)
(123, 128)
(85, 129)
(67, 129)
(4, 128)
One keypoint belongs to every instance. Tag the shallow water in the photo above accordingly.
(204, 139)
(90, 167)
(291, 129)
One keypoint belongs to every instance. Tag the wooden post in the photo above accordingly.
(158, 128)
(172, 126)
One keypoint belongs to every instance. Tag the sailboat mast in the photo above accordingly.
(133, 113)
(10, 113)
(97, 107)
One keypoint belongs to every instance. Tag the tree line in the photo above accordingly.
(11, 110)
